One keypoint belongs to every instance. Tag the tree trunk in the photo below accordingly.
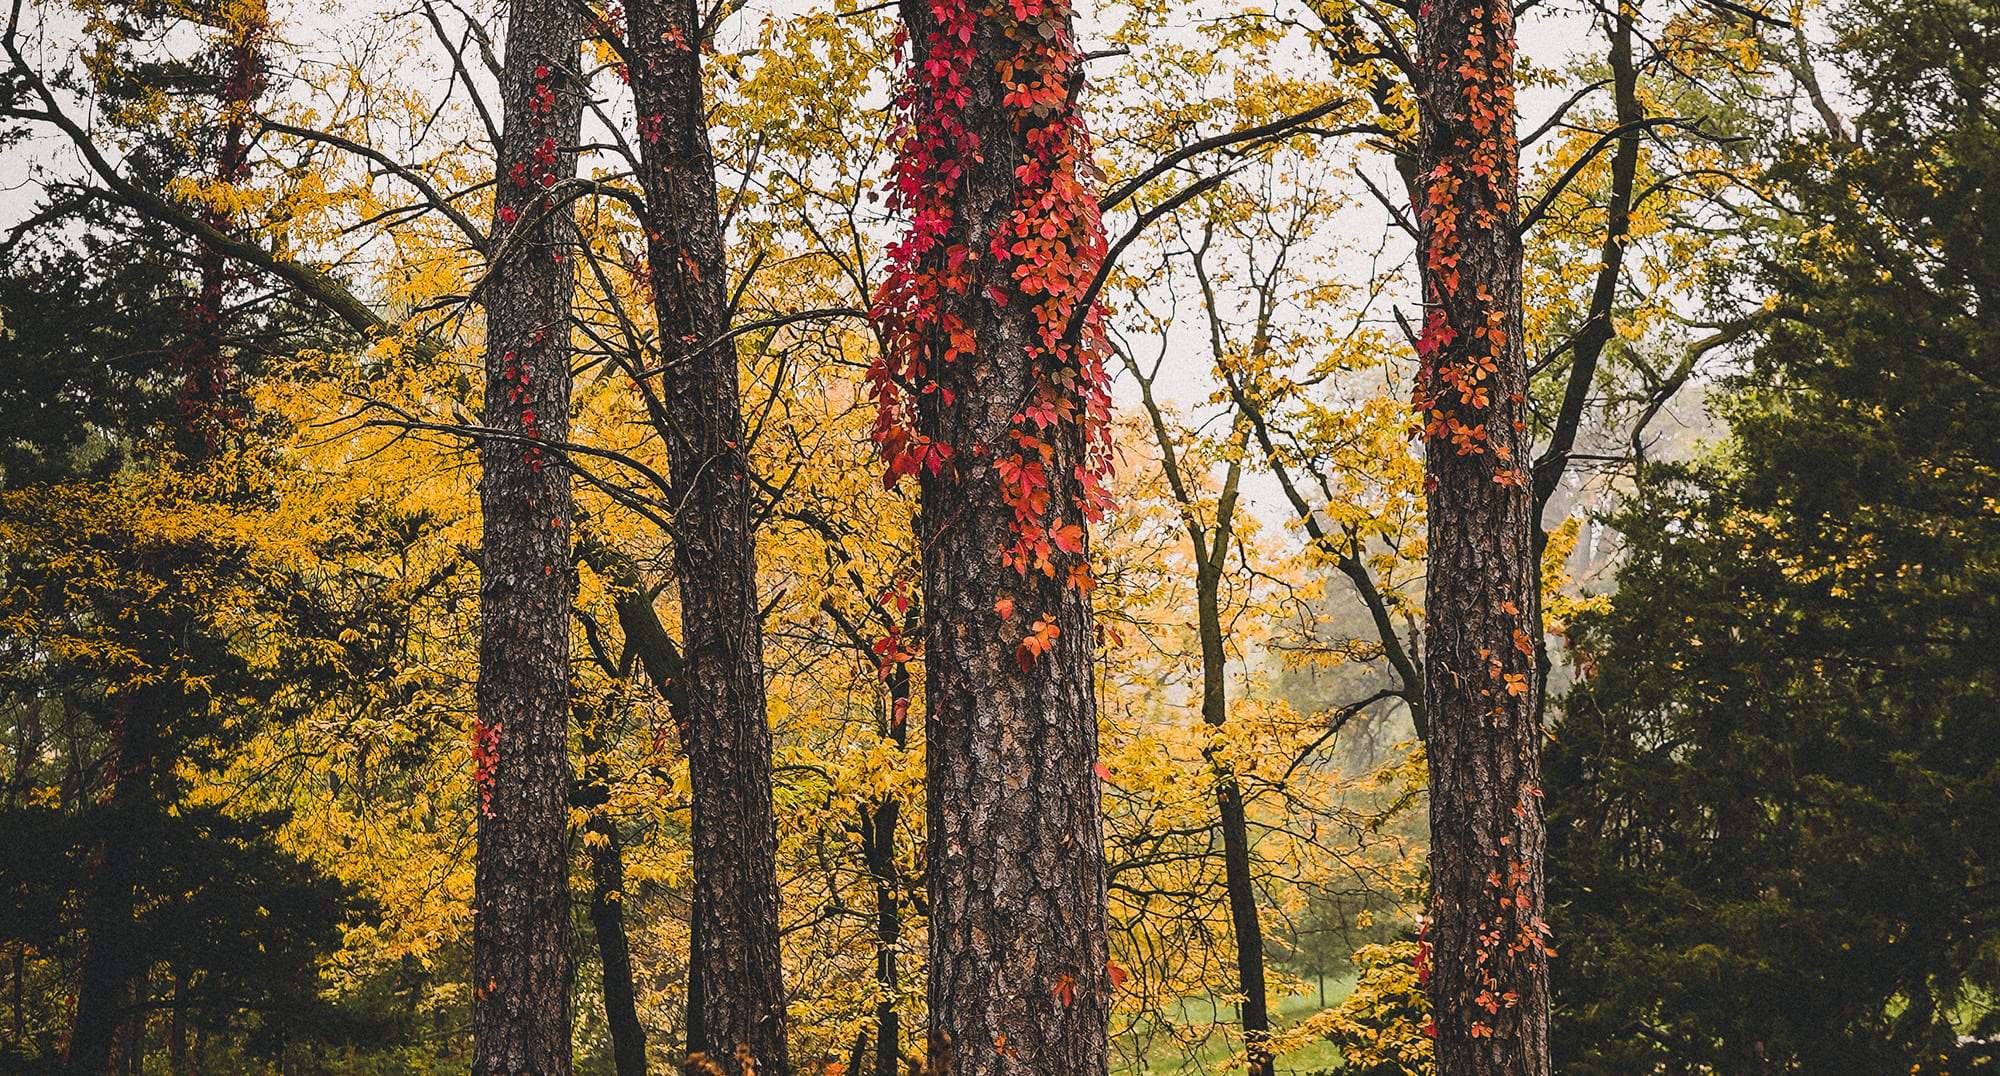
(180, 1062)
(521, 903)
(1001, 410)
(112, 955)
(103, 982)
(607, 922)
(1245, 922)
(1016, 887)
(741, 1001)
(607, 903)
(1489, 966)
(647, 640)
(879, 845)
(880, 819)
(1210, 552)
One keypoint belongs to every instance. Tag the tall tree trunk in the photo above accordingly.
(521, 903)
(1489, 979)
(1588, 345)
(614, 948)
(879, 820)
(1019, 981)
(111, 954)
(740, 1005)
(1598, 330)
(1002, 407)
(647, 639)
(19, 1025)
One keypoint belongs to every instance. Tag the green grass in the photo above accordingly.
(1166, 1058)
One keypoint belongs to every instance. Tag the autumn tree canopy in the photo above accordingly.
(1014, 538)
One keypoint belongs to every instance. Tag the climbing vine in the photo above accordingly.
(1487, 976)
(531, 180)
(1049, 248)
(1474, 191)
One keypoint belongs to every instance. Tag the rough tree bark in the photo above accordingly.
(1488, 975)
(736, 978)
(997, 402)
(1016, 886)
(521, 901)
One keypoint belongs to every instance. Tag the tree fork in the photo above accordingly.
(1211, 552)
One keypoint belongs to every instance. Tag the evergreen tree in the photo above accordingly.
(1776, 796)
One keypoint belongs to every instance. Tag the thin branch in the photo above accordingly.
(1604, 142)
(766, 323)
(1074, 330)
(431, 194)
(315, 283)
(1250, 134)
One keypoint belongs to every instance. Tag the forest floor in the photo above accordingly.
(1166, 1057)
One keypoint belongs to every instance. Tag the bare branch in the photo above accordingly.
(1250, 134)
(432, 195)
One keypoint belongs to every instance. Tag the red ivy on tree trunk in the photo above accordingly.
(1488, 951)
(992, 393)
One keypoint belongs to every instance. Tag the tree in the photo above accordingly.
(521, 969)
(992, 394)
(1210, 546)
(154, 630)
(153, 321)
(736, 979)
(1772, 799)
(81, 351)
(1489, 964)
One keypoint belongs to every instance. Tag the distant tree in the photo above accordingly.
(78, 389)
(228, 937)
(126, 612)
(1776, 795)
